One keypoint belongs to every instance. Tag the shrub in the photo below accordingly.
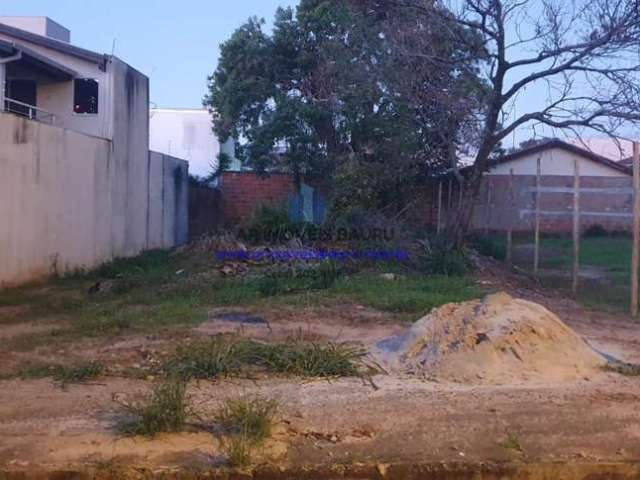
(164, 411)
(595, 230)
(207, 359)
(438, 258)
(270, 224)
(489, 247)
(238, 450)
(250, 417)
(310, 359)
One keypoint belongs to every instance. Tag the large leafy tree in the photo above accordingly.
(328, 97)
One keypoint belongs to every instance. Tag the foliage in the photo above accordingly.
(489, 247)
(595, 230)
(164, 411)
(270, 223)
(63, 374)
(291, 279)
(208, 359)
(322, 97)
(219, 356)
(439, 257)
(310, 359)
(251, 417)
(238, 450)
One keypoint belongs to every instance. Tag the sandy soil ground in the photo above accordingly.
(347, 421)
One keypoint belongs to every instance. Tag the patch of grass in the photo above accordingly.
(63, 374)
(79, 373)
(318, 277)
(412, 294)
(164, 411)
(512, 442)
(311, 359)
(238, 450)
(251, 418)
(623, 368)
(211, 359)
(208, 359)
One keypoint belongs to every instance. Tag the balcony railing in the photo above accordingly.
(30, 111)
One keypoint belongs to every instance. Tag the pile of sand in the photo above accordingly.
(496, 340)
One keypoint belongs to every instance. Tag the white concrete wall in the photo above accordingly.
(555, 162)
(70, 201)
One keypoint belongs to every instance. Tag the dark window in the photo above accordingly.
(85, 96)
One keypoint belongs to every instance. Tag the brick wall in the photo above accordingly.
(241, 192)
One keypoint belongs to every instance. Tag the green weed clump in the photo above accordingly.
(164, 411)
(208, 359)
(222, 357)
(247, 423)
(64, 374)
(311, 359)
(251, 417)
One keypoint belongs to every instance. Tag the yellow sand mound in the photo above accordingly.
(496, 340)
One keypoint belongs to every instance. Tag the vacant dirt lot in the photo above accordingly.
(384, 419)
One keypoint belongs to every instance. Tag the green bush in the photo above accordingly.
(270, 223)
(164, 411)
(250, 417)
(438, 258)
(595, 230)
(489, 247)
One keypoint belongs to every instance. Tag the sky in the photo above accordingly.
(174, 43)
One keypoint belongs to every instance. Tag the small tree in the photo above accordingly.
(584, 53)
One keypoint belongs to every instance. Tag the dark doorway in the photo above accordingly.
(23, 91)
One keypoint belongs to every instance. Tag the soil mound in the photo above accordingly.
(497, 340)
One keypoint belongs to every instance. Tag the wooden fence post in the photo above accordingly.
(487, 219)
(636, 229)
(536, 234)
(450, 194)
(509, 254)
(439, 207)
(576, 226)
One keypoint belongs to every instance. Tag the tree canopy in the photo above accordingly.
(329, 97)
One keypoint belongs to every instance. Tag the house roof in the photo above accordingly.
(53, 44)
(35, 60)
(557, 143)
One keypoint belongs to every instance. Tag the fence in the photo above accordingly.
(551, 203)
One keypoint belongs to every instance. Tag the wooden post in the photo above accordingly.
(439, 207)
(536, 234)
(487, 219)
(510, 219)
(635, 256)
(460, 192)
(576, 226)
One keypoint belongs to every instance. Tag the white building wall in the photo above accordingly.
(187, 134)
(70, 201)
(555, 162)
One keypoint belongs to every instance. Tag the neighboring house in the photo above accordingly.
(188, 133)
(78, 184)
(605, 190)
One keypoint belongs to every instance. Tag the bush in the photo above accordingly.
(489, 247)
(438, 258)
(165, 411)
(290, 280)
(251, 417)
(270, 224)
(207, 359)
(595, 230)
